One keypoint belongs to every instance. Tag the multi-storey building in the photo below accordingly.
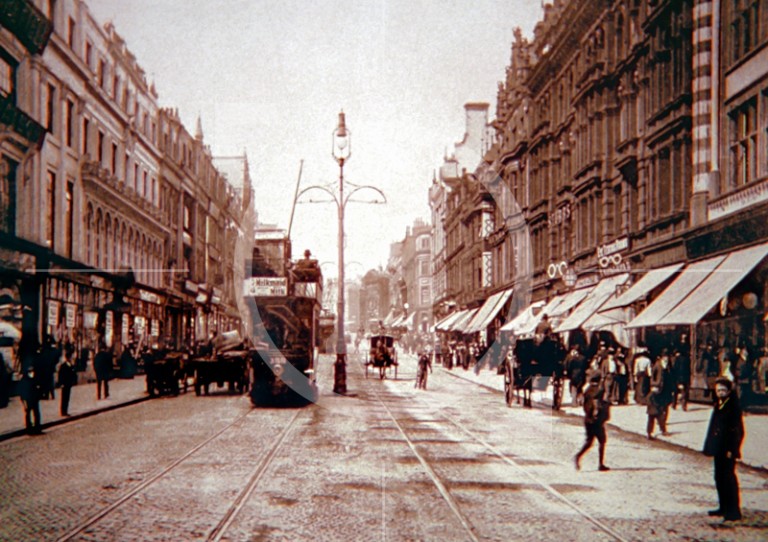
(115, 220)
(630, 137)
(417, 276)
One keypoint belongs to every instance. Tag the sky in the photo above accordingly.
(269, 77)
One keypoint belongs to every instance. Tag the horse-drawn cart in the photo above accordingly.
(382, 355)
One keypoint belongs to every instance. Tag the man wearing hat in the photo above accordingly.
(723, 443)
(596, 413)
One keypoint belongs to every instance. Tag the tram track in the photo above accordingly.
(443, 485)
(219, 530)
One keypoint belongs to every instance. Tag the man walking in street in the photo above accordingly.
(661, 394)
(102, 365)
(596, 413)
(67, 379)
(29, 392)
(723, 443)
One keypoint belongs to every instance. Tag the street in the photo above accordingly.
(388, 462)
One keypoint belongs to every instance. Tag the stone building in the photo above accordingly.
(119, 211)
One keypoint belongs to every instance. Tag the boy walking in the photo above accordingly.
(596, 413)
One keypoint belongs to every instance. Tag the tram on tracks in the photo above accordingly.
(284, 297)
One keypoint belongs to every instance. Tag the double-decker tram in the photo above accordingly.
(284, 297)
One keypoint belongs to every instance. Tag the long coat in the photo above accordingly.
(726, 429)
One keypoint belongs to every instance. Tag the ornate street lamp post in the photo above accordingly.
(341, 151)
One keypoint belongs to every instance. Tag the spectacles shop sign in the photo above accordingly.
(266, 287)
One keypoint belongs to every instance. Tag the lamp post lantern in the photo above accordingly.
(342, 150)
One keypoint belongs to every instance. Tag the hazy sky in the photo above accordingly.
(271, 76)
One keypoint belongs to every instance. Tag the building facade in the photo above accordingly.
(122, 228)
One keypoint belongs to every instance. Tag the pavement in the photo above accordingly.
(686, 429)
(82, 403)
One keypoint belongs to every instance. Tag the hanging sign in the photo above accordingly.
(108, 326)
(71, 314)
(53, 313)
(126, 329)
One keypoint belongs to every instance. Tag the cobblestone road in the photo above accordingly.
(389, 463)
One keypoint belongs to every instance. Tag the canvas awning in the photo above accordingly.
(693, 275)
(461, 323)
(445, 324)
(525, 323)
(408, 322)
(648, 282)
(439, 325)
(488, 311)
(592, 302)
(722, 280)
(390, 318)
(397, 321)
(566, 303)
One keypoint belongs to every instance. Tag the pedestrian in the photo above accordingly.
(682, 372)
(30, 392)
(424, 364)
(723, 443)
(576, 368)
(596, 414)
(67, 379)
(608, 370)
(102, 365)
(661, 394)
(642, 375)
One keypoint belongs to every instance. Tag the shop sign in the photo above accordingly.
(561, 215)
(53, 313)
(610, 260)
(155, 327)
(215, 299)
(190, 286)
(588, 280)
(108, 326)
(71, 314)
(149, 297)
(266, 287)
(97, 281)
(140, 324)
(126, 329)
(202, 297)
(89, 319)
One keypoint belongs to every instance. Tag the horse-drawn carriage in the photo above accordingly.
(537, 361)
(382, 355)
(164, 370)
(228, 363)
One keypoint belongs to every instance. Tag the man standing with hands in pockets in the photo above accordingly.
(723, 443)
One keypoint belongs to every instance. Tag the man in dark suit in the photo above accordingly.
(723, 443)
(102, 365)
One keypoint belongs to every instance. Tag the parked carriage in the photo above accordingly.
(164, 371)
(537, 362)
(227, 364)
(381, 355)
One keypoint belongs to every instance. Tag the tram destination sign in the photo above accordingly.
(266, 287)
